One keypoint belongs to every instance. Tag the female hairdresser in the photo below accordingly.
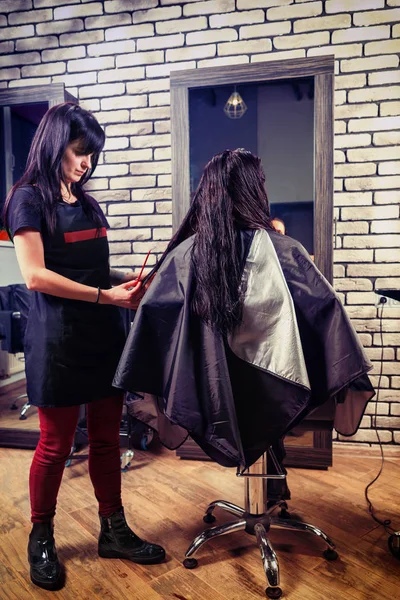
(74, 334)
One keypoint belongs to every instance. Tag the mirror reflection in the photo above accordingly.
(18, 420)
(18, 123)
(273, 119)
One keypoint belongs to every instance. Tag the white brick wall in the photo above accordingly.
(116, 56)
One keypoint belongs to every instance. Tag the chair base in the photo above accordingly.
(257, 525)
(24, 409)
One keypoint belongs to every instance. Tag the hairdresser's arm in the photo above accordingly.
(30, 254)
(118, 277)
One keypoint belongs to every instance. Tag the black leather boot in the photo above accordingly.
(46, 571)
(277, 489)
(117, 540)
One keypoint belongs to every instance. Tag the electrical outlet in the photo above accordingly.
(387, 302)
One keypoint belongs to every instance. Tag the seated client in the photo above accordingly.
(239, 336)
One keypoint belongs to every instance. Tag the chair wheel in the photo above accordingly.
(190, 563)
(23, 417)
(394, 544)
(209, 518)
(274, 592)
(330, 554)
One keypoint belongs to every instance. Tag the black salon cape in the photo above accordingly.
(295, 350)
(71, 347)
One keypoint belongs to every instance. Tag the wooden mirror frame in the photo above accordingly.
(321, 68)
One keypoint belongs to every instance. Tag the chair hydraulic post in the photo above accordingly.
(256, 519)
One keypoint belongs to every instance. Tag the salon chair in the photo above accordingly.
(256, 518)
(14, 308)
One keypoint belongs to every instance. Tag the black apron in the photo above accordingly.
(72, 347)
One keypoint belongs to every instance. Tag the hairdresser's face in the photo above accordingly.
(74, 164)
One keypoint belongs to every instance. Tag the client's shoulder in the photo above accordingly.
(286, 243)
(181, 254)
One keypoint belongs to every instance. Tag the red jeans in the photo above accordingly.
(57, 430)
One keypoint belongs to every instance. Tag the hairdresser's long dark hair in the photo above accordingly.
(60, 126)
(230, 196)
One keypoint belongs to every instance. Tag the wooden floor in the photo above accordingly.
(165, 498)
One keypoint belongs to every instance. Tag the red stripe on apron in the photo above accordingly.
(87, 234)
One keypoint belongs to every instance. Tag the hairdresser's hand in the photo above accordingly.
(126, 295)
(117, 277)
(148, 282)
(132, 276)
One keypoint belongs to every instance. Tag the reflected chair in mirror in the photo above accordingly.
(256, 517)
(14, 308)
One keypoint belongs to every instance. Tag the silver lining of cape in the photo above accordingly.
(268, 335)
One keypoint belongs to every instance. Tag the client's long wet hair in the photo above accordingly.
(60, 126)
(230, 196)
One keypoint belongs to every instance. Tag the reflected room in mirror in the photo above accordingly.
(18, 420)
(18, 124)
(275, 121)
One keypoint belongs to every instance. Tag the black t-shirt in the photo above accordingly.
(69, 250)
(24, 210)
(71, 347)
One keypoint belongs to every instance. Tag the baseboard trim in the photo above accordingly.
(364, 450)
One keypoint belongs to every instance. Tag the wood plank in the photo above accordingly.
(323, 169)
(53, 93)
(180, 154)
(253, 73)
(165, 499)
(184, 585)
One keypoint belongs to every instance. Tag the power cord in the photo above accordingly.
(385, 523)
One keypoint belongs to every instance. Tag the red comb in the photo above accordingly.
(143, 266)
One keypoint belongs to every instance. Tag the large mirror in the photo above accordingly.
(283, 112)
(250, 116)
(288, 122)
(20, 113)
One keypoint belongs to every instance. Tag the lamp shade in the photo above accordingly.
(235, 106)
